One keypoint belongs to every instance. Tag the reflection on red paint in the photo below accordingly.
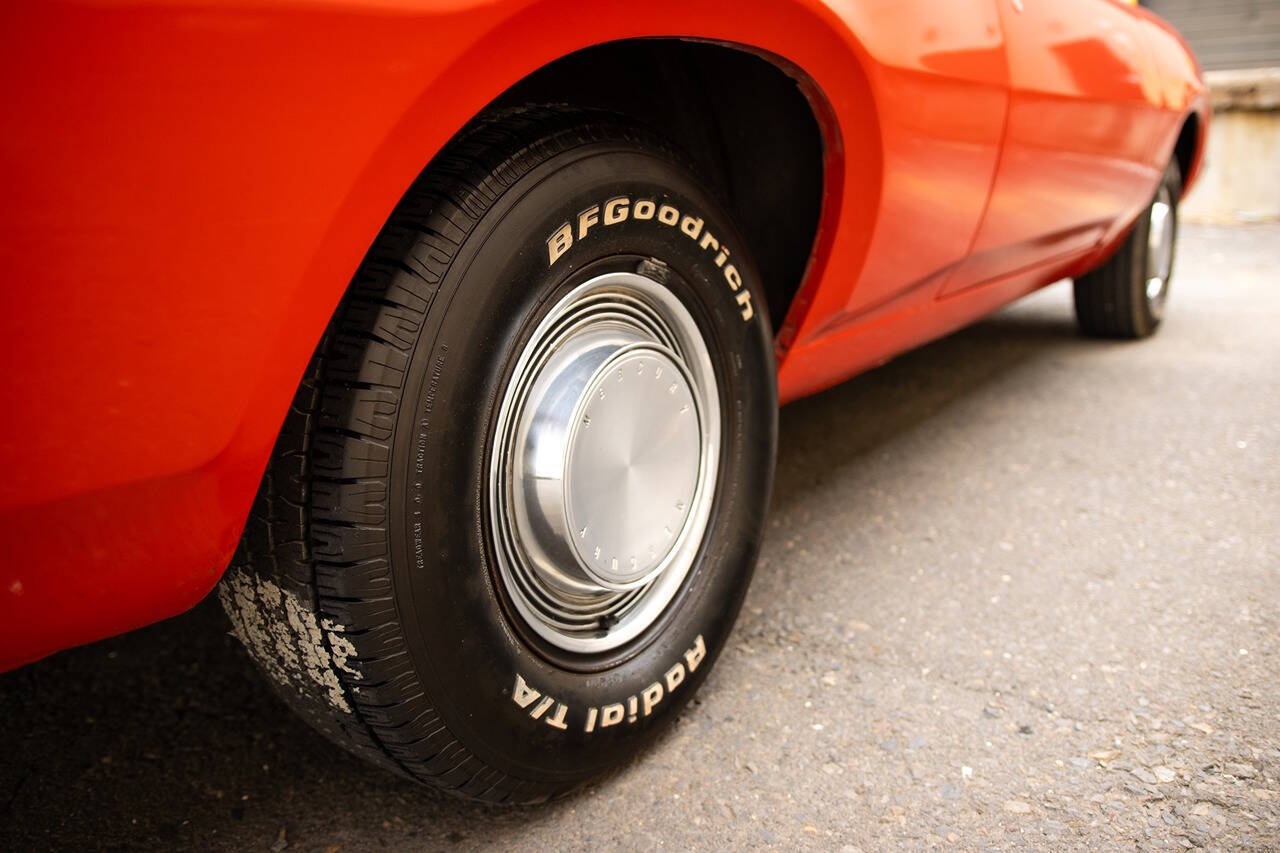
(188, 189)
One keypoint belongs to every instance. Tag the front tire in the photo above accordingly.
(447, 569)
(1126, 296)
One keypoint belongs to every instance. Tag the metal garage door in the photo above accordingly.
(1227, 33)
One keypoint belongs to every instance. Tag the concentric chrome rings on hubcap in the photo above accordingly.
(604, 463)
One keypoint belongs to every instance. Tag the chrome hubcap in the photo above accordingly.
(607, 445)
(1160, 237)
(632, 465)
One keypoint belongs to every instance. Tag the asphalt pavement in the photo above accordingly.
(1019, 588)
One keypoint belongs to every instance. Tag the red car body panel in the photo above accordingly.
(190, 186)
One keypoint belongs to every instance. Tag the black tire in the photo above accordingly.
(1112, 301)
(365, 584)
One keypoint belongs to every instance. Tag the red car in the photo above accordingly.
(450, 336)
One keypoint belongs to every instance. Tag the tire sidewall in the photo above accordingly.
(470, 654)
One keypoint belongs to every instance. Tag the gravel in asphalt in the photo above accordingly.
(1019, 589)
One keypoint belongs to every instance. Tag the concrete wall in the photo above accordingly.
(1241, 180)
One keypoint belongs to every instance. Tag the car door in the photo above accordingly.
(1083, 106)
(939, 72)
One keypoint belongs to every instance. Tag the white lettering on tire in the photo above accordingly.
(621, 208)
(547, 709)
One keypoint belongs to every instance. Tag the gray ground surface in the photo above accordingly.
(1019, 589)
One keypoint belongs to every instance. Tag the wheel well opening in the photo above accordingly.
(1184, 151)
(744, 121)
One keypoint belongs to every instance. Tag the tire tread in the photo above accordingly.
(318, 529)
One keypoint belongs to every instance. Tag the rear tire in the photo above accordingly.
(390, 582)
(1126, 296)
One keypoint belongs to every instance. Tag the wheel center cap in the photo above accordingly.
(605, 459)
(632, 466)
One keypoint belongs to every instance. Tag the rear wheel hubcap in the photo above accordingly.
(606, 450)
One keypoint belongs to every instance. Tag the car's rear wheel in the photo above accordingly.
(517, 502)
(1126, 296)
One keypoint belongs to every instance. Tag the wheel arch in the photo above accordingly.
(708, 98)
(788, 43)
(781, 43)
(1188, 150)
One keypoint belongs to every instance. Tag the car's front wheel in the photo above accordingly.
(1125, 297)
(517, 502)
